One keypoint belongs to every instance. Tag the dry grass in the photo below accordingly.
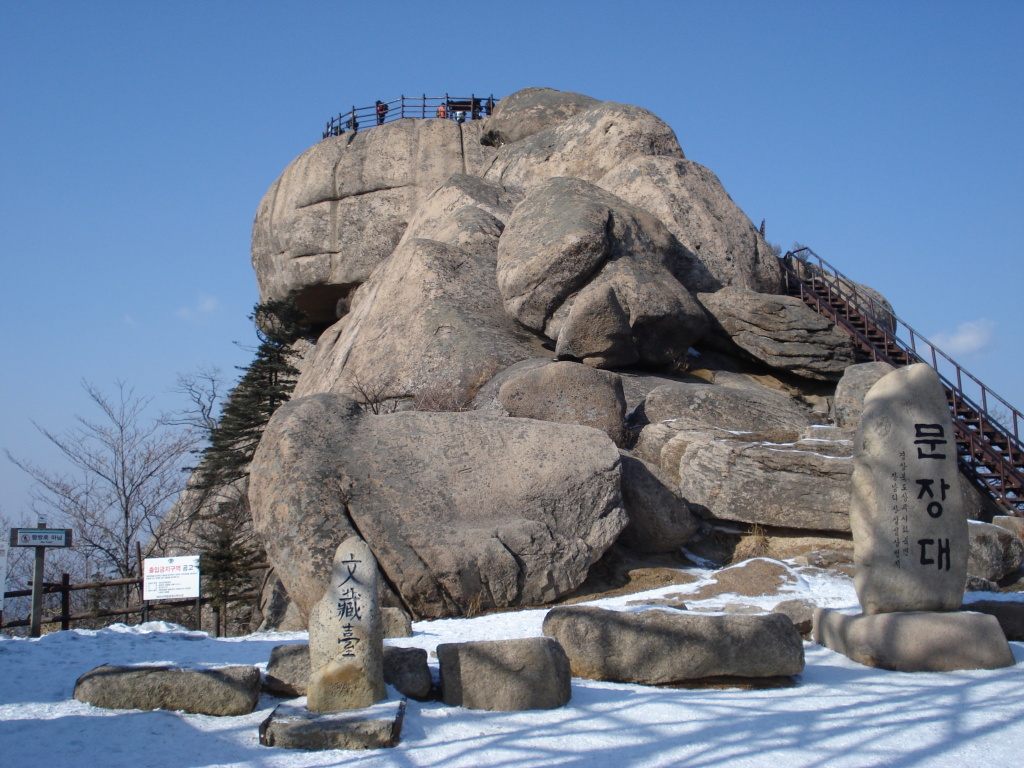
(440, 400)
(755, 543)
(474, 607)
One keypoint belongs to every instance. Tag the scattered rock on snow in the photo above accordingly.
(664, 646)
(505, 675)
(224, 691)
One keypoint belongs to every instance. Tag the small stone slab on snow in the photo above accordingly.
(292, 726)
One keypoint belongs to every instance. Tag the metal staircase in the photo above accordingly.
(988, 429)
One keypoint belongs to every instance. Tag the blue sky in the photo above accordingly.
(137, 139)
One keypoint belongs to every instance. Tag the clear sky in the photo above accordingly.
(137, 138)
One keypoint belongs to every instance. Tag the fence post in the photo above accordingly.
(144, 613)
(65, 601)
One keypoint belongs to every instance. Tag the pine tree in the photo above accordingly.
(221, 507)
(228, 552)
(266, 384)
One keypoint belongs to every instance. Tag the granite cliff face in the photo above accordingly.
(449, 265)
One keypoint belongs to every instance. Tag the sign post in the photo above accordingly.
(40, 537)
(3, 576)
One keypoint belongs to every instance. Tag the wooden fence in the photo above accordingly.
(144, 608)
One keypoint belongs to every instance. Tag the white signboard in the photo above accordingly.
(170, 577)
(3, 572)
(40, 537)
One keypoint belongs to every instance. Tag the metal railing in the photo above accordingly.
(988, 427)
(458, 108)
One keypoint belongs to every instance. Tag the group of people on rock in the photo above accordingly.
(445, 111)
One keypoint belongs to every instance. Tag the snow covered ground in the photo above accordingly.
(839, 714)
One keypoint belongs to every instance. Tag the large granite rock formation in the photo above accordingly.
(446, 266)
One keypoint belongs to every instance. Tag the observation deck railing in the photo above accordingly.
(458, 108)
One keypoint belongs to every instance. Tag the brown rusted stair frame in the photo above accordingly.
(990, 454)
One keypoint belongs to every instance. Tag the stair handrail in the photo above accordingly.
(889, 322)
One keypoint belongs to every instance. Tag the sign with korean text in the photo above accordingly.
(907, 514)
(165, 578)
(40, 537)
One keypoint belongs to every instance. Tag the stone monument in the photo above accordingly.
(343, 708)
(909, 525)
(906, 511)
(346, 637)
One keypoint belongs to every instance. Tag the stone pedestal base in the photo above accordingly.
(292, 726)
(915, 641)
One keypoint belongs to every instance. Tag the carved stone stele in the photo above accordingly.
(906, 512)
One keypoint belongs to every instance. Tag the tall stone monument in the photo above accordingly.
(907, 513)
(910, 539)
(345, 705)
(346, 637)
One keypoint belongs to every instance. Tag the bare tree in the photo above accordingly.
(125, 472)
(203, 388)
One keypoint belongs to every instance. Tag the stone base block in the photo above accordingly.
(1010, 615)
(292, 726)
(915, 641)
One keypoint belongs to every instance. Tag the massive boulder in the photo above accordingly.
(779, 331)
(462, 510)
(771, 484)
(568, 393)
(852, 389)
(531, 111)
(709, 406)
(596, 274)
(429, 319)
(694, 206)
(659, 520)
(994, 552)
(445, 265)
(466, 211)
(586, 146)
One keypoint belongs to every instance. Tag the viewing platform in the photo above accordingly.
(447, 107)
